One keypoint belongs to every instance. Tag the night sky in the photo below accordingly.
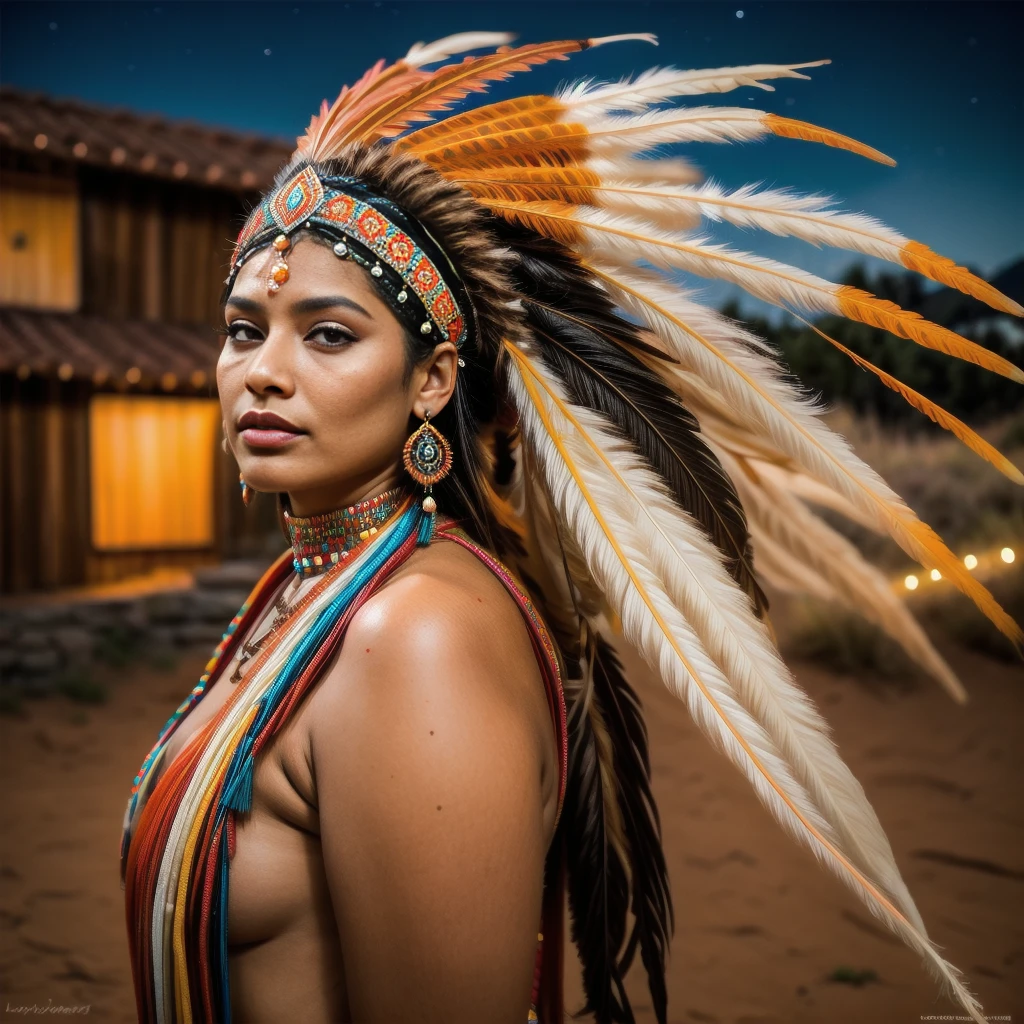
(934, 85)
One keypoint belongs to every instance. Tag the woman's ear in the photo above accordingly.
(434, 382)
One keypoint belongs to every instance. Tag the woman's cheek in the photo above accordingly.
(228, 371)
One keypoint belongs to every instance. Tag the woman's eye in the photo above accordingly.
(330, 335)
(239, 330)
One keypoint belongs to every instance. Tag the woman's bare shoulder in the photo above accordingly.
(428, 736)
(448, 595)
(443, 623)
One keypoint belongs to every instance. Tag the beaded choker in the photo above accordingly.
(320, 542)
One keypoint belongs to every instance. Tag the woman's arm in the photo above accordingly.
(428, 741)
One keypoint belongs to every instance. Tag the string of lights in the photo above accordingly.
(994, 559)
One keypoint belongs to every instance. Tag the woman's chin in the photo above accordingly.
(273, 482)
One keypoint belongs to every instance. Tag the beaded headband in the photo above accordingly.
(373, 231)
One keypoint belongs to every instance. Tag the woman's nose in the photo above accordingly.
(271, 370)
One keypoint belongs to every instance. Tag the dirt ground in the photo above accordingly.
(760, 928)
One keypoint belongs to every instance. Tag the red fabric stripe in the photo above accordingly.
(548, 994)
(206, 884)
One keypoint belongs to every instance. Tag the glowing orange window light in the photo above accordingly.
(152, 470)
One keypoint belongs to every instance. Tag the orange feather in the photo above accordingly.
(326, 132)
(571, 185)
(860, 305)
(934, 412)
(918, 257)
(481, 120)
(790, 129)
(454, 82)
(554, 144)
(535, 216)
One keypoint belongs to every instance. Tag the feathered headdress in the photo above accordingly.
(656, 446)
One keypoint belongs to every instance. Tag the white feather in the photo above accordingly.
(610, 135)
(660, 84)
(704, 342)
(461, 42)
(777, 517)
(689, 567)
(816, 493)
(776, 210)
(626, 239)
(727, 427)
(674, 170)
(600, 514)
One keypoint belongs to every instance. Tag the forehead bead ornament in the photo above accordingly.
(403, 295)
(341, 249)
(426, 327)
(279, 272)
(376, 270)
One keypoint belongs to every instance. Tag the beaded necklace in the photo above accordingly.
(322, 541)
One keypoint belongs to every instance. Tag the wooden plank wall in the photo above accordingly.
(44, 495)
(45, 525)
(39, 240)
(149, 249)
(155, 250)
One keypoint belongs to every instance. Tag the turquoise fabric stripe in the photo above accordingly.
(236, 794)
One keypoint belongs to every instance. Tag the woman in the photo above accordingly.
(402, 750)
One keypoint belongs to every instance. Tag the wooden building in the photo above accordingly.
(115, 236)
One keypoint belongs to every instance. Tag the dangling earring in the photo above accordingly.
(428, 458)
(247, 491)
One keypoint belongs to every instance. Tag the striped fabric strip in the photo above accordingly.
(175, 863)
(179, 944)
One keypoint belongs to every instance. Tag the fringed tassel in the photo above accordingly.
(426, 529)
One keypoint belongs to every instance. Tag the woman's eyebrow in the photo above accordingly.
(244, 304)
(315, 304)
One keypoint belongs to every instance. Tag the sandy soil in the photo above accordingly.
(760, 928)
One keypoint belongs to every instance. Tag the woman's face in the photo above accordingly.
(310, 382)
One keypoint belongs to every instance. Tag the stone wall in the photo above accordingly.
(55, 646)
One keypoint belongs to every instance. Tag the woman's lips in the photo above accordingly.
(268, 437)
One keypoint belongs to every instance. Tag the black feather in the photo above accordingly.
(586, 343)
(651, 900)
(600, 892)
(597, 883)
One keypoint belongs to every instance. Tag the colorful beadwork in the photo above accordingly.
(256, 224)
(427, 456)
(320, 542)
(304, 199)
(297, 200)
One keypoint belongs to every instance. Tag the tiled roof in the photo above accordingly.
(142, 353)
(140, 143)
